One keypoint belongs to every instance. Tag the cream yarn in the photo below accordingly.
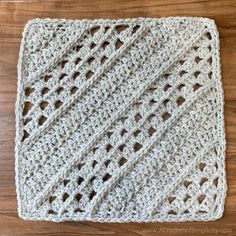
(120, 120)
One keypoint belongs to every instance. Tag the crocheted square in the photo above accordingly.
(120, 120)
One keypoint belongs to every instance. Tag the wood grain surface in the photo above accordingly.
(14, 15)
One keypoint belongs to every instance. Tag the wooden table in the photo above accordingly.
(13, 16)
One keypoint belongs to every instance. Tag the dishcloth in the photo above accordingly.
(120, 121)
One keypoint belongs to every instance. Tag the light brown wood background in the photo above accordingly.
(14, 15)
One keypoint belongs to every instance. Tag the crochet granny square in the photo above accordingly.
(120, 120)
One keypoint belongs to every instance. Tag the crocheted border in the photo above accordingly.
(211, 24)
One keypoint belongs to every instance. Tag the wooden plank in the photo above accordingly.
(13, 16)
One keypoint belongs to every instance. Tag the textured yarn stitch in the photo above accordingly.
(120, 121)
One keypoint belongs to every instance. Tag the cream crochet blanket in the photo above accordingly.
(120, 120)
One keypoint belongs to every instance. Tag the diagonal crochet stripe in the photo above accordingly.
(215, 108)
(71, 198)
(153, 206)
(82, 62)
(77, 156)
(57, 57)
(100, 195)
(28, 142)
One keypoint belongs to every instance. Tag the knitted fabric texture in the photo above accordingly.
(120, 120)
